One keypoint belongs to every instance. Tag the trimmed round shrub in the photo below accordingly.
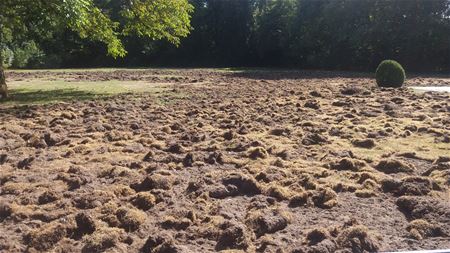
(390, 74)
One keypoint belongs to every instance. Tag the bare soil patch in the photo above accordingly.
(245, 161)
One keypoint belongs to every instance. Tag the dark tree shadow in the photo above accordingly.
(24, 96)
(23, 103)
(277, 74)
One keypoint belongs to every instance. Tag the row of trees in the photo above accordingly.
(321, 34)
(330, 34)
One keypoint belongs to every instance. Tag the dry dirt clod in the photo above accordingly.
(234, 236)
(3, 158)
(101, 240)
(365, 193)
(258, 152)
(171, 222)
(324, 198)
(144, 200)
(442, 159)
(279, 192)
(215, 157)
(420, 207)
(358, 239)
(316, 93)
(134, 148)
(245, 185)
(175, 148)
(228, 135)
(25, 163)
(312, 104)
(351, 90)
(270, 222)
(347, 164)
(188, 160)
(390, 166)
(420, 229)
(298, 200)
(149, 156)
(130, 219)
(85, 224)
(160, 244)
(44, 239)
(314, 139)
(47, 197)
(155, 181)
(5, 210)
(317, 235)
(417, 186)
(280, 131)
(364, 143)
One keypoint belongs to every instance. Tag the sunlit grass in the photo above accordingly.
(424, 146)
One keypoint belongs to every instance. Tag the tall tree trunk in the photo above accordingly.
(3, 86)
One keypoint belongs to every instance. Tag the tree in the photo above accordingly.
(220, 34)
(26, 20)
(272, 31)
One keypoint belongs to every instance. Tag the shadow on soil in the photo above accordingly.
(294, 74)
(278, 74)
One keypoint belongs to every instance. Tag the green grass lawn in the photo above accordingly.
(44, 91)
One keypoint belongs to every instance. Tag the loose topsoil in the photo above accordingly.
(252, 161)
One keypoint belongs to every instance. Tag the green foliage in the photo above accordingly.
(390, 74)
(318, 34)
(156, 19)
(7, 57)
(273, 21)
(90, 22)
(24, 53)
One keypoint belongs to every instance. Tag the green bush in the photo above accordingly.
(24, 53)
(390, 74)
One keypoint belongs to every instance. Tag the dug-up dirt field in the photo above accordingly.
(239, 161)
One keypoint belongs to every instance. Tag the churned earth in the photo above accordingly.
(250, 161)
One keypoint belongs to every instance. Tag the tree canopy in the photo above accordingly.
(36, 20)
(318, 34)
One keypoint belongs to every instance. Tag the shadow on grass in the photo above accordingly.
(24, 96)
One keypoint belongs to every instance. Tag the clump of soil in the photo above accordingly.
(233, 236)
(102, 240)
(347, 164)
(408, 186)
(258, 152)
(45, 238)
(364, 143)
(130, 219)
(267, 222)
(358, 239)
(245, 185)
(421, 229)
(324, 198)
(144, 200)
(390, 166)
